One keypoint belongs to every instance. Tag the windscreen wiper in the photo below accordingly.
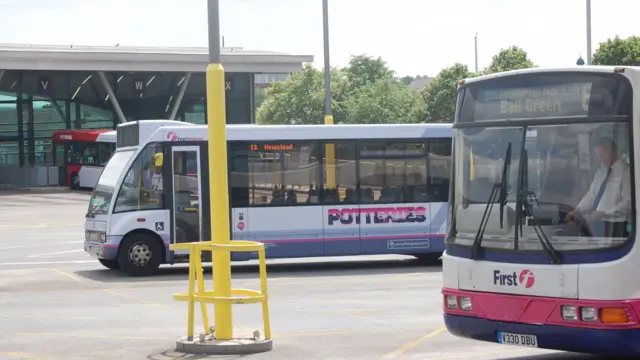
(527, 206)
(500, 190)
(92, 210)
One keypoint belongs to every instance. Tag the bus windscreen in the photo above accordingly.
(535, 96)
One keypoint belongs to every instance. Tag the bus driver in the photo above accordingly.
(608, 201)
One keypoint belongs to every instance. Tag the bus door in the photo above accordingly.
(186, 189)
(438, 175)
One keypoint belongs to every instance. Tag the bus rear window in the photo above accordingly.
(549, 95)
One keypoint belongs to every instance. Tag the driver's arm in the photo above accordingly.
(588, 199)
(623, 205)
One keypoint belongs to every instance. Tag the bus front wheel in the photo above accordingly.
(75, 181)
(140, 255)
(109, 264)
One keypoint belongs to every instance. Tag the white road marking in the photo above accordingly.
(57, 253)
(39, 245)
(49, 262)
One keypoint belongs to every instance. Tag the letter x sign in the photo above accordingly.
(227, 85)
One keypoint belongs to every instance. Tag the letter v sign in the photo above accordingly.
(43, 84)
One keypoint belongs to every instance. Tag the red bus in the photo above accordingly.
(85, 154)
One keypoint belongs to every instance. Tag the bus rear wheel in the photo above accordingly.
(140, 254)
(110, 264)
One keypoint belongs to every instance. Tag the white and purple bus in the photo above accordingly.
(304, 191)
(540, 249)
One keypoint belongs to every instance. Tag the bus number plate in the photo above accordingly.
(517, 339)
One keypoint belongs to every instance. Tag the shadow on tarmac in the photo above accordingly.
(295, 269)
(561, 356)
(172, 355)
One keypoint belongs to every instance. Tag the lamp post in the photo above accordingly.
(476, 51)
(328, 116)
(328, 113)
(218, 182)
(588, 32)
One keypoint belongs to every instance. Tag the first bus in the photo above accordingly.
(541, 250)
(86, 151)
(304, 191)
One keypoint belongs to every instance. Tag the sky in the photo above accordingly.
(415, 37)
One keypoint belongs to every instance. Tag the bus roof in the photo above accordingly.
(89, 135)
(585, 69)
(306, 132)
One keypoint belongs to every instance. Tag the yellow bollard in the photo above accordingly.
(218, 185)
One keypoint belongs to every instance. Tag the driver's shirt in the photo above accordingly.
(156, 182)
(616, 199)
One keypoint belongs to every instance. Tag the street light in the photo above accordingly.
(476, 51)
(218, 182)
(588, 32)
(328, 114)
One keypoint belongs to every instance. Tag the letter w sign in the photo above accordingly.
(138, 85)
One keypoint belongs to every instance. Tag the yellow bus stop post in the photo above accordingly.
(218, 182)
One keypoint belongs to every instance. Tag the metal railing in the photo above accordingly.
(29, 176)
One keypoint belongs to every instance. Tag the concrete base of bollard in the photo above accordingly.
(212, 346)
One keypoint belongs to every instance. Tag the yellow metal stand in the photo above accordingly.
(222, 296)
(236, 296)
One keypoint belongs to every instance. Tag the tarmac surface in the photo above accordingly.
(56, 303)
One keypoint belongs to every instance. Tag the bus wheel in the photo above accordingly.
(110, 264)
(75, 181)
(430, 258)
(140, 255)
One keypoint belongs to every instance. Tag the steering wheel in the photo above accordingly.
(578, 220)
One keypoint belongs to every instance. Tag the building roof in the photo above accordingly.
(153, 59)
(420, 83)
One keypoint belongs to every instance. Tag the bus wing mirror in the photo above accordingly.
(158, 159)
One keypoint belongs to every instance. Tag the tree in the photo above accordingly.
(439, 96)
(407, 79)
(300, 99)
(259, 96)
(387, 101)
(618, 51)
(512, 58)
(365, 70)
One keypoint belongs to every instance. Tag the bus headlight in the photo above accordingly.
(451, 302)
(465, 303)
(569, 312)
(95, 236)
(589, 314)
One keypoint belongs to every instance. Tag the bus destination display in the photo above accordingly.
(538, 101)
(271, 147)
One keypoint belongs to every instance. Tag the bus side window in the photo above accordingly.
(105, 150)
(393, 172)
(282, 173)
(439, 172)
(143, 186)
(239, 173)
(339, 174)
